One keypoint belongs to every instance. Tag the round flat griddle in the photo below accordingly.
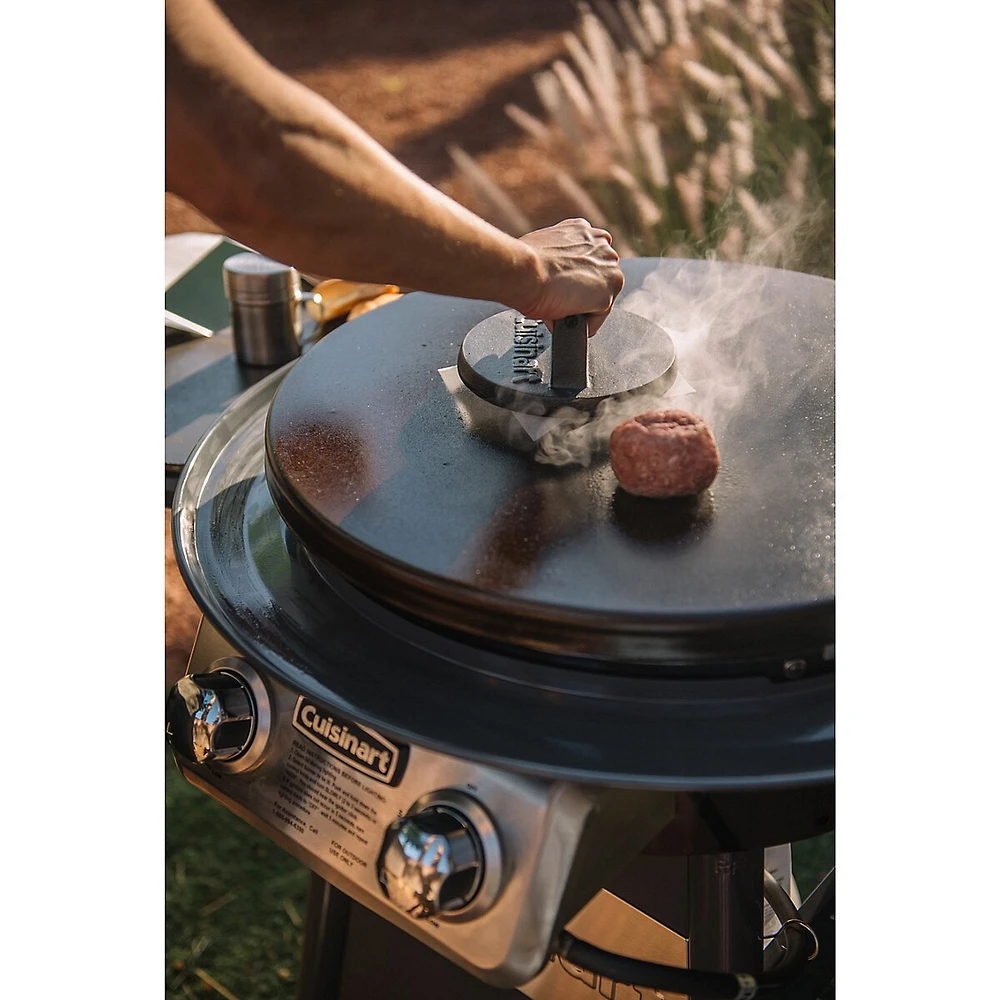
(258, 586)
(419, 493)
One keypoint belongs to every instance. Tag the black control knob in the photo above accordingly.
(210, 717)
(432, 862)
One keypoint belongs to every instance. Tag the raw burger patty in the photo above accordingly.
(664, 453)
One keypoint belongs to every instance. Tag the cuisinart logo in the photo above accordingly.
(363, 749)
(527, 345)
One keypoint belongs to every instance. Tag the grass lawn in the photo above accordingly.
(236, 902)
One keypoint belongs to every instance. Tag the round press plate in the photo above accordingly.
(506, 359)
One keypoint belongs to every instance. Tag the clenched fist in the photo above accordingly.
(577, 272)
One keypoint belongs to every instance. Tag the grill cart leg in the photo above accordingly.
(726, 911)
(818, 981)
(327, 915)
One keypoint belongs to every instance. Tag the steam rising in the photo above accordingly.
(705, 319)
(707, 311)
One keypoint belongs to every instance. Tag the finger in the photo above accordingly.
(603, 233)
(550, 325)
(595, 320)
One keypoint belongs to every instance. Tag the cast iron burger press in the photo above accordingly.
(516, 363)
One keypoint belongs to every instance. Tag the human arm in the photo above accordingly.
(282, 170)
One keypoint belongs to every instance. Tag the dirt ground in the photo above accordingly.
(416, 76)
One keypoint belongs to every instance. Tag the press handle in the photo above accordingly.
(570, 354)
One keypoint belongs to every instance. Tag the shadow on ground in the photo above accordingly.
(309, 34)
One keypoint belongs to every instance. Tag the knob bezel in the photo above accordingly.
(471, 813)
(253, 753)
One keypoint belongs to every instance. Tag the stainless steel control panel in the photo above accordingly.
(481, 864)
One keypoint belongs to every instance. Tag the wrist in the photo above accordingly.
(524, 290)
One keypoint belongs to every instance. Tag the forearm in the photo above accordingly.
(282, 170)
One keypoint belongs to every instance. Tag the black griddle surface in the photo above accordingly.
(406, 488)
(257, 586)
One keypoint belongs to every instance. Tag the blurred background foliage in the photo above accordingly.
(689, 128)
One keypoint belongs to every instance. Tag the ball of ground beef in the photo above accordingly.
(664, 453)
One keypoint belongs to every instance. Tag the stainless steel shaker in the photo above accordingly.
(264, 299)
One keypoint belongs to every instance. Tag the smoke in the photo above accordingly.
(794, 232)
(704, 309)
(707, 309)
(706, 314)
(576, 437)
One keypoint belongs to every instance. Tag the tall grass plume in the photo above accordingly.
(694, 128)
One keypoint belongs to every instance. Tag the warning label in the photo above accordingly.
(331, 807)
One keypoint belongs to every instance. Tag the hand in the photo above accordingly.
(578, 272)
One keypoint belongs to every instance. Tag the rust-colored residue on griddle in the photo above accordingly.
(327, 463)
(506, 554)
